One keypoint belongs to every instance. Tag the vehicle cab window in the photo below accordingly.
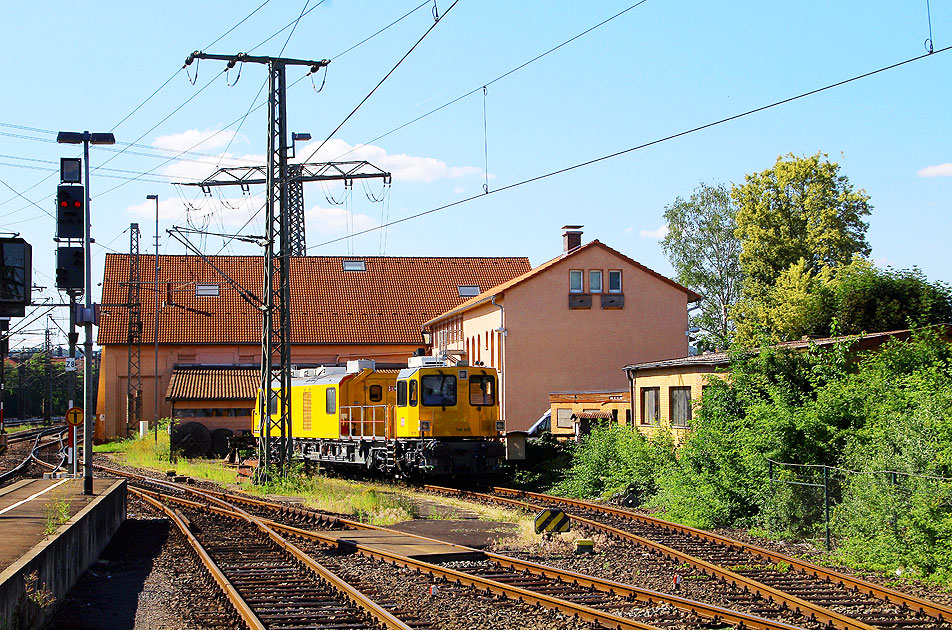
(482, 390)
(439, 390)
(401, 393)
(414, 396)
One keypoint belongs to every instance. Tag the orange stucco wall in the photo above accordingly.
(113, 374)
(549, 347)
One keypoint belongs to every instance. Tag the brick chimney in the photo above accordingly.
(571, 237)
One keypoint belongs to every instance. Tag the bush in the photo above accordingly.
(611, 459)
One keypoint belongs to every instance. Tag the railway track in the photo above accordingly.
(38, 445)
(270, 582)
(604, 602)
(823, 595)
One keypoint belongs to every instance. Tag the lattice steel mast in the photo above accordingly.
(276, 311)
(298, 175)
(134, 336)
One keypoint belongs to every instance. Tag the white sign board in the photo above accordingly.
(70, 364)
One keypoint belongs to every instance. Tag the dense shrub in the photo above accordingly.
(859, 414)
(613, 459)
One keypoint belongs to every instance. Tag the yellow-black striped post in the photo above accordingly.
(552, 521)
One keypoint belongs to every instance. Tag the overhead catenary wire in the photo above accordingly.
(644, 145)
(190, 150)
(498, 78)
(381, 82)
(156, 91)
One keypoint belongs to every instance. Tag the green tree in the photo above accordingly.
(703, 248)
(859, 297)
(801, 208)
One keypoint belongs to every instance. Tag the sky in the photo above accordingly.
(656, 70)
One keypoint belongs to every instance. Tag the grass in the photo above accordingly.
(56, 510)
(366, 502)
(22, 427)
(146, 452)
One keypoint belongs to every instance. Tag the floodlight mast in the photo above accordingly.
(276, 311)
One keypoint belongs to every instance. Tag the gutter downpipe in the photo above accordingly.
(502, 357)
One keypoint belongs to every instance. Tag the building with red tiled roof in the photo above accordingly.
(571, 323)
(342, 308)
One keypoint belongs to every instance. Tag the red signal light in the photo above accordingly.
(77, 204)
(63, 204)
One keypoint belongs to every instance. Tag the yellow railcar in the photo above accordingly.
(432, 417)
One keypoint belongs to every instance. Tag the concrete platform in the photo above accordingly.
(28, 509)
(410, 546)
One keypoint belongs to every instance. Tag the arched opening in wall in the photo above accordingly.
(468, 355)
(492, 350)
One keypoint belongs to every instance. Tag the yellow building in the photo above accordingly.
(663, 393)
(573, 413)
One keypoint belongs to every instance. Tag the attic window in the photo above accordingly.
(355, 265)
(205, 289)
(468, 290)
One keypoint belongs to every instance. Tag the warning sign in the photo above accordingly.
(74, 416)
(552, 521)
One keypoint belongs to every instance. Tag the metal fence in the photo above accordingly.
(816, 485)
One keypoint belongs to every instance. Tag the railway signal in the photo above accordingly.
(70, 210)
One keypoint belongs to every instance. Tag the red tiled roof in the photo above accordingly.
(502, 287)
(386, 304)
(213, 384)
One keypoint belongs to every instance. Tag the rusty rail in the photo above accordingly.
(708, 611)
(884, 593)
(241, 607)
(801, 606)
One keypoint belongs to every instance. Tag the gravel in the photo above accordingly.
(148, 578)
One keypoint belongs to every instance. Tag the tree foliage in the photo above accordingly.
(852, 299)
(800, 209)
(703, 249)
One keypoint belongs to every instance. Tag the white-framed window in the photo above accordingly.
(575, 281)
(614, 281)
(650, 405)
(355, 265)
(679, 399)
(467, 290)
(595, 281)
(563, 418)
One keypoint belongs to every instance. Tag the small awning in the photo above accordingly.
(213, 384)
(592, 415)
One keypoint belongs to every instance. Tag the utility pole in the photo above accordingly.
(276, 311)
(4, 349)
(134, 336)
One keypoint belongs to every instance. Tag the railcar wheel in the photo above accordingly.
(191, 438)
(219, 441)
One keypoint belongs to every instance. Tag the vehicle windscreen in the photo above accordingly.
(439, 390)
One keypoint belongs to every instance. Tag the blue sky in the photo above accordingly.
(659, 69)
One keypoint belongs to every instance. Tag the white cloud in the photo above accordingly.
(458, 190)
(195, 140)
(402, 166)
(628, 230)
(658, 234)
(168, 209)
(937, 170)
(333, 221)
